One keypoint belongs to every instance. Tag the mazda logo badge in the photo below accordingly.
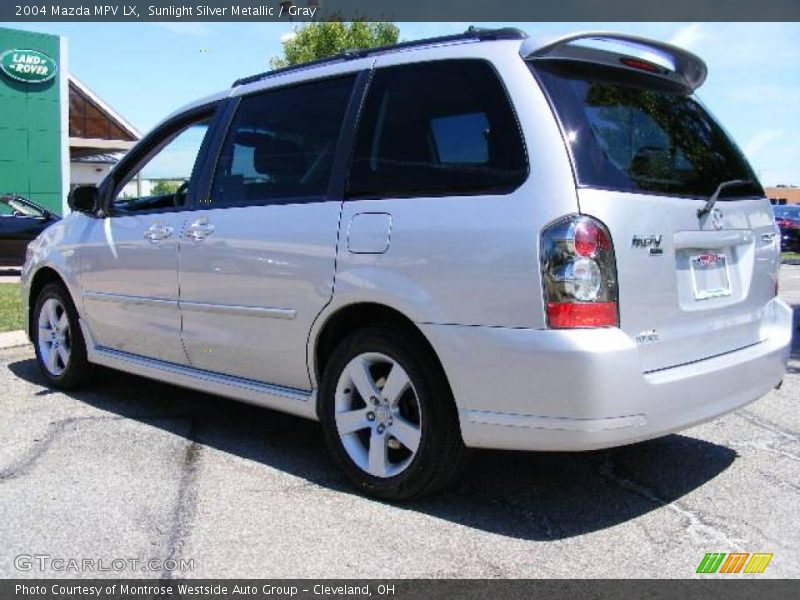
(716, 218)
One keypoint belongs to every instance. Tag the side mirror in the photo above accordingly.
(85, 199)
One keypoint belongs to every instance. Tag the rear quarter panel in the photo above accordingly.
(467, 260)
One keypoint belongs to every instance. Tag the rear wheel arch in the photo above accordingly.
(352, 317)
(396, 434)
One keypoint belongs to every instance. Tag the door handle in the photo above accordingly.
(200, 229)
(158, 231)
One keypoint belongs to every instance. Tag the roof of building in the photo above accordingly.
(100, 159)
(82, 89)
(94, 127)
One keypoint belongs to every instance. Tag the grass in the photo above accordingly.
(10, 307)
(790, 256)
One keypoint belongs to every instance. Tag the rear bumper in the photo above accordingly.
(526, 389)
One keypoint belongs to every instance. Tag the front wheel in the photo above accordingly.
(389, 416)
(57, 339)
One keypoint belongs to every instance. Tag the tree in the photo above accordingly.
(163, 188)
(326, 38)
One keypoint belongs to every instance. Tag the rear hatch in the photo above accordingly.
(694, 279)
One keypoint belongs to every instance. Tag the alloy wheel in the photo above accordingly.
(378, 416)
(54, 337)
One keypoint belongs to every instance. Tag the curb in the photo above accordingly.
(13, 339)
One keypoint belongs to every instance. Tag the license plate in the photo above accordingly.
(710, 275)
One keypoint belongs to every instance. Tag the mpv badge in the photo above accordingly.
(716, 218)
(646, 241)
(651, 241)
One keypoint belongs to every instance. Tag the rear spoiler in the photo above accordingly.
(686, 69)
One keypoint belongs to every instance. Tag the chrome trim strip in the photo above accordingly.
(228, 380)
(248, 311)
(483, 417)
(268, 312)
(711, 240)
(290, 400)
(678, 371)
(122, 298)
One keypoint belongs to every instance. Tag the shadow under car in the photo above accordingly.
(532, 496)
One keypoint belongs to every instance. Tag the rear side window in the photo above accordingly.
(437, 128)
(638, 135)
(281, 144)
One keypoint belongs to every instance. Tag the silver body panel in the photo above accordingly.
(129, 285)
(526, 389)
(251, 290)
(239, 313)
(468, 260)
(655, 290)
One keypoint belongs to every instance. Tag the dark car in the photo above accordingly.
(788, 220)
(20, 221)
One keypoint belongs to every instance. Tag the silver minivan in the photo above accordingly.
(464, 242)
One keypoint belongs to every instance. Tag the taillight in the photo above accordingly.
(787, 224)
(579, 274)
(642, 65)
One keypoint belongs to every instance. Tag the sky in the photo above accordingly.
(147, 70)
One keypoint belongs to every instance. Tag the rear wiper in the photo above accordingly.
(702, 212)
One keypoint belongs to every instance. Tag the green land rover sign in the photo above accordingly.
(29, 66)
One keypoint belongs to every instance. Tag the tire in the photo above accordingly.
(382, 382)
(57, 339)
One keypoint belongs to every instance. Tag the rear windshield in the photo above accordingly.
(635, 134)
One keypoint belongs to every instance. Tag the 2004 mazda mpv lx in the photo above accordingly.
(463, 242)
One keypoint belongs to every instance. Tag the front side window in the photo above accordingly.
(162, 180)
(437, 128)
(281, 144)
(634, 134)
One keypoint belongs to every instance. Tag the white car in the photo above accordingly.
(463, 242)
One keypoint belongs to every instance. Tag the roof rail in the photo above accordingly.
(478, 34)
(687, 69)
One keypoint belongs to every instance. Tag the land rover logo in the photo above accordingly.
(29, 66)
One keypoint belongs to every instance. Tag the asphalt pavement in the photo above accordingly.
(134, 470)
